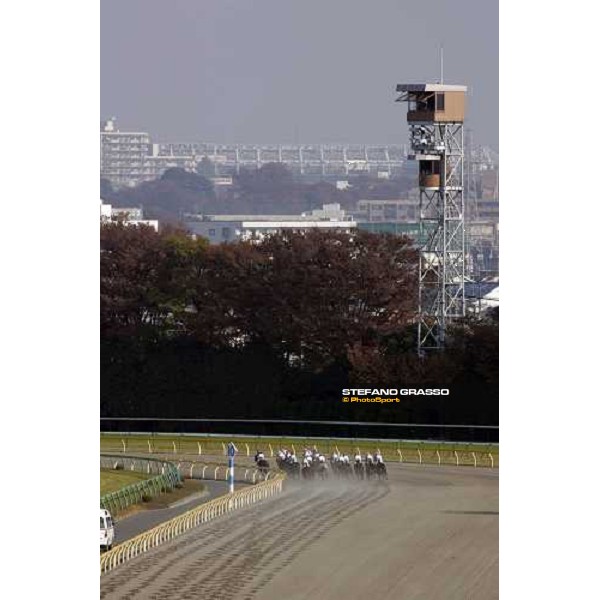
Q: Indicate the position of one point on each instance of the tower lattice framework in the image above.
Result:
(442, 233)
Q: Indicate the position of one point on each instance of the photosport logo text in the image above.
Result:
(388, 395)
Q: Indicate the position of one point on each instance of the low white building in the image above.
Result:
(230, 228)
(127, 216)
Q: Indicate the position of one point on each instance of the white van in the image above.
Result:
(107, 530)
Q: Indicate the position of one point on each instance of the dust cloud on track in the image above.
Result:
(426, 533)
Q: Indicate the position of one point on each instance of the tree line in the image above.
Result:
(277, 330)
(271, 189)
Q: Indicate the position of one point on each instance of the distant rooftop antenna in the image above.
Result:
(441, 64)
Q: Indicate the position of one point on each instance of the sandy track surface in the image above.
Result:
(427, 533)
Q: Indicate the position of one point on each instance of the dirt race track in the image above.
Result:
(428, 533)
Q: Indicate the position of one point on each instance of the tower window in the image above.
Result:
(439, 101)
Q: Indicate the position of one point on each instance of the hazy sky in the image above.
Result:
(276, 71)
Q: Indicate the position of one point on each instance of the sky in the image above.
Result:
(291, 71)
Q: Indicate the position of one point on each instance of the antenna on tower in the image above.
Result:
(441, 64)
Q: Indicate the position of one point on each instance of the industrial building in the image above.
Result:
(230, 228)
(379, 211)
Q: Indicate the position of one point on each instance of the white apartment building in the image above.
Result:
(123, 154)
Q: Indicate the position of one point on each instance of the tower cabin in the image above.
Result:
(431, 105)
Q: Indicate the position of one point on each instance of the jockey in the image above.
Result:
(357, 458)
(293, 459)
(259, 456)
(346, 459)
(321, 458)
(335, 457)
(369, 458)
(379, 458)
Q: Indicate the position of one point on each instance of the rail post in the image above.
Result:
(439, 458)
(400, 453)
(216, 471)
(474, 459)
(149, 447)
(174, 448)
(456, 456)
(491, 459)
(123, 442)
(247, 450)
(271, 450)
(199, 449)
(204, 469)
(420, 457)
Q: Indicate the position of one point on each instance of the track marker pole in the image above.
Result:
(474, 459)
(400, 453)
(439, 458)
(491, 459)
(420, 457)
(123, 442)
(456, 455)
(199, 449)
(231, 455)
(174, 448)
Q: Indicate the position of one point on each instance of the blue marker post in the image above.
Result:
(230, 454)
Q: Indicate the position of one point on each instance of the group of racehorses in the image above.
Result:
(315, 466)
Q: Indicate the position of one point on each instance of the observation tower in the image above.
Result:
(435, 117)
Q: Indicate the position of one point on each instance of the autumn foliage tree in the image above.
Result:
(265, 324)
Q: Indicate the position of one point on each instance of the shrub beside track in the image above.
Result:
(168, 477)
